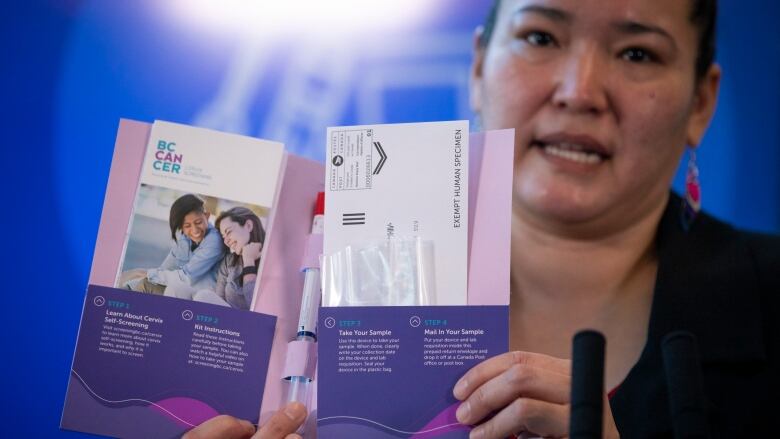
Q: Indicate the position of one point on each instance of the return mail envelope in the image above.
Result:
(402, 181)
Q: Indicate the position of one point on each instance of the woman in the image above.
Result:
(604, 97)
(243, 235)
(194, 254)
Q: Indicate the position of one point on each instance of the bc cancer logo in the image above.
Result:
(166, 159)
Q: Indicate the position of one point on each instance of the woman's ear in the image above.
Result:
(703, 105)
(475, 77)
(249, 225)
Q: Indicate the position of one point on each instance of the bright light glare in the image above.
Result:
(317, 18)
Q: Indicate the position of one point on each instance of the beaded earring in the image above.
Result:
(691, 204)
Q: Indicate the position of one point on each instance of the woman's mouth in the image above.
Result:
(577, 149)
(573, 152)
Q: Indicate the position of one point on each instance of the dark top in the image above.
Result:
(722, 285)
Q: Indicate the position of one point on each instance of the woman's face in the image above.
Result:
(195, 225)
(234, 234)
(603, 99)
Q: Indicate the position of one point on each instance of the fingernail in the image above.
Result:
(295, 411)
(250, 427)
(476, 433)
(460, 388)
(462, 413)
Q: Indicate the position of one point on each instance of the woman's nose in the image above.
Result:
(581, 82)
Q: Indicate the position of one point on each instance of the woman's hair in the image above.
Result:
(241, 215)
(180, 208)
(703, 16)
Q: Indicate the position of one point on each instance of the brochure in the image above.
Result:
(185, 208)
(147, 365)
(388, 371)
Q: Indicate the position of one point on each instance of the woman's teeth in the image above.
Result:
(573, 152)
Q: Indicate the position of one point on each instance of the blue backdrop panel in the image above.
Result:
(71, 69)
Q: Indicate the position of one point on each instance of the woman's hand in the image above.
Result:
(282, 425)
(131, 277)
(251, 253)
(528, 393)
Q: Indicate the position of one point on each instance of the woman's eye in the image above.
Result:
(637, 54)
(538, 38)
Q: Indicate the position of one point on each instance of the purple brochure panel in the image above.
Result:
(151, 366)
(388, 372)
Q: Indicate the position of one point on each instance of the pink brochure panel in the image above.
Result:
(491, 165)
(281, 283)
(123, 179)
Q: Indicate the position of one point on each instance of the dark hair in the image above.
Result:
(180, 208)
(241, 215)
(703, 15)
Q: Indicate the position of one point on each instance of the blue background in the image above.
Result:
(70, 69)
